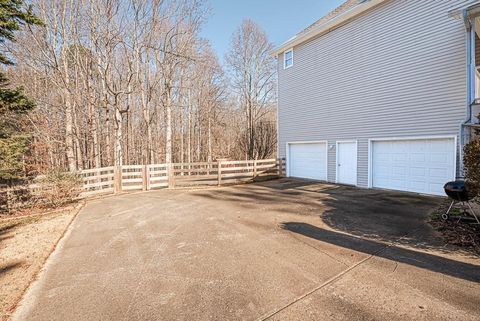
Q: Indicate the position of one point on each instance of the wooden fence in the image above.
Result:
(148, 177)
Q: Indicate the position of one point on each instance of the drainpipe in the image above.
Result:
(470, 84)
(471, 66)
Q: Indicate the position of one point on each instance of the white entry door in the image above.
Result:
(347, 163)
(307, 160)
(417, 165)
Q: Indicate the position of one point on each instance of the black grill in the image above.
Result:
(457, 190)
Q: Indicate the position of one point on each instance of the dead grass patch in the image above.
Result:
(463, 234)
(25, 244)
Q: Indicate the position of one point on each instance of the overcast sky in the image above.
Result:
(281, 19)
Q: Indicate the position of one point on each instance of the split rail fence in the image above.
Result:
(148, 177)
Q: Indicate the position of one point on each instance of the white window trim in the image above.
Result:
(285, 60)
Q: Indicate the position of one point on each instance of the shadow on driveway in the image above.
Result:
(422, 260)
(375, 214)
(373, 218)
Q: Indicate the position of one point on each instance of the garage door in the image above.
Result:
(308, 160)
(422, 166)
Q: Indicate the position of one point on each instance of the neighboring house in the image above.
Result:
(380, 94)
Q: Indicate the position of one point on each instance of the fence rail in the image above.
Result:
(109, 180)
(148, 177)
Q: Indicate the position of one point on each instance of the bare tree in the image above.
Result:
(131, 81)
(252, 70)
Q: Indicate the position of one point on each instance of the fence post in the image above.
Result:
(254, 168)
(219, 167)
(145, 176)
(171, 176)
(117, 183)
(280, 164)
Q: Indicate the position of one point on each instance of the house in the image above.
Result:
(381, 94)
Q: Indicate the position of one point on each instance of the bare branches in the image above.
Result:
(131, 81)
(253, 80)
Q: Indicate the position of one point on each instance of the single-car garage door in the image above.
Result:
(420, 165)
(308, 160)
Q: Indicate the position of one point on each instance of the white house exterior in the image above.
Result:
(378, 94)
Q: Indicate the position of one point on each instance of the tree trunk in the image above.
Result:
(118, 151)
(168, 127)
(146, 118)
(72, 166)
(96, 146)
(209, 138)
(182, 137)
(108, 141)
(189, 137)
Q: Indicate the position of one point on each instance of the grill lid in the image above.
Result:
(457, 190)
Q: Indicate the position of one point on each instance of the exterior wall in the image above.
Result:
(397, 70)
(331, 162)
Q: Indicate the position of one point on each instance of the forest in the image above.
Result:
(115, 82)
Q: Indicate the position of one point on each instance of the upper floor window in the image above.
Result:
(288, 59)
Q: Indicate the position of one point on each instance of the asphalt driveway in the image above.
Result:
(278, 250)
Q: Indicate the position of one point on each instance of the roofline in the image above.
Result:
(471, 11)
(327, 26)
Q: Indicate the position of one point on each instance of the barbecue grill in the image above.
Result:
(458, 192)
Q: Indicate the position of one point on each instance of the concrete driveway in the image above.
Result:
(278, 250)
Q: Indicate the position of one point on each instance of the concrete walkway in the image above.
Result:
(280, 250)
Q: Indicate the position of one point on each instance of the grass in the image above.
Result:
(25, 244)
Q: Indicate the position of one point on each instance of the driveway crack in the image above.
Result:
(331, 280)
(395, 269)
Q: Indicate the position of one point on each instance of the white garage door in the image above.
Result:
(308, 160)
(422, 166)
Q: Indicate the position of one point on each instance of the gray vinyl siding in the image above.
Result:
(362, 163)
(397, 70)
(331, 163)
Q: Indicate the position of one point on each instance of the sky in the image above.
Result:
(280, 19)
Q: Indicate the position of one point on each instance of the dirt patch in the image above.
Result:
(35, 211)
(465, 235)
(25, 244)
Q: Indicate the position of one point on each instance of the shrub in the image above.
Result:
(58, 188)
(12, 151)
(15, 197)
(471, 162)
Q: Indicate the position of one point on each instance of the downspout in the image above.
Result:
(470, 84)
(470, 65)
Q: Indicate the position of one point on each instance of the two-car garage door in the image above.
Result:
(420, 165)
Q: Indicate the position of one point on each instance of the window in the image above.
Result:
(288, 59)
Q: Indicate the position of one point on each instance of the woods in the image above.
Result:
(14, 104)
(132, 82)
(252, 81)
